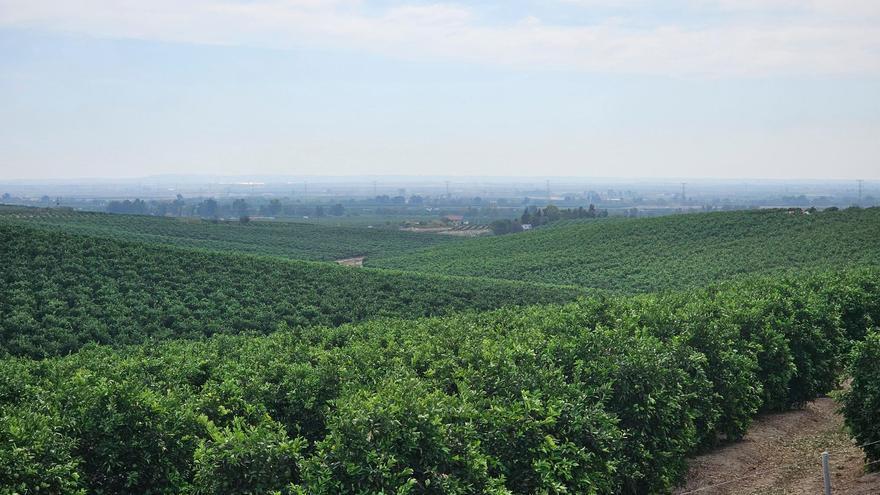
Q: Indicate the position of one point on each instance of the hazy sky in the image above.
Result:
(627, 88)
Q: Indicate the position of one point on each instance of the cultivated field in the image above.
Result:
(137, 360)
(285, 239)
(670, 252)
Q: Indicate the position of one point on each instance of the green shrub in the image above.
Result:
(861, 404)
(854, 294)
(696, 321)
(400, 438)
(246, 459)
(653, 395)
(131, 439)
(797, 334)
(36, 456)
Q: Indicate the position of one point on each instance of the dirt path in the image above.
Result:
(357, 261)
(781, 455)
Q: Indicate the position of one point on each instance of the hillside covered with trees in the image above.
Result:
(641, 255)
(286, 239)
(60, 291)
(146, 355)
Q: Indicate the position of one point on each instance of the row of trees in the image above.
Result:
(240, 207)
(211, 208)
(861, 404)
(540, 216)
(476, 208)
(606, 395)
(136, 207)
(534, 216)
(177, 207)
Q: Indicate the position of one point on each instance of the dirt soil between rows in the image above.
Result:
(781, 455)
(357, 261)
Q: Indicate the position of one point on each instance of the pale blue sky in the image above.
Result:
(699, 88)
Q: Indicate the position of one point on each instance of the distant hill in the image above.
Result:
(286, 239)
(639, 255)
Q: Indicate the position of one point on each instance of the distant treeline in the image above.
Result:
(471, 208)
(535, 217)
(539, 216)
(211, 208)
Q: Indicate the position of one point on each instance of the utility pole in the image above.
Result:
(683, 197)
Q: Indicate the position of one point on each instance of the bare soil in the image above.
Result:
(425, 230)
(467, 233)
(781, 455)
(357, 261)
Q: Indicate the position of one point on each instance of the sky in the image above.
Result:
(781, 89)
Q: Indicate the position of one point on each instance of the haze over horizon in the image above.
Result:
(259, 178)
(776, 89)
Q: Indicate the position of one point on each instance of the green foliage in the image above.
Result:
(608, 394)
(861, 404)
(401, 437)
(285, 239)
(246, 459)
(855, 297)
(132, 439)
(797, 334)
(673, 252)
(604, 395)
(60, 291)
(35, 456)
